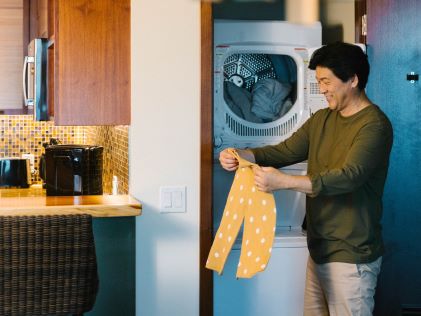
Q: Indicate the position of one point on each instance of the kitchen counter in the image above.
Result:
(114, 228)
(33, 201)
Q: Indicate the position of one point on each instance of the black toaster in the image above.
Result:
(14, 172)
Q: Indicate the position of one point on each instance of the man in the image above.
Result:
(347, 146)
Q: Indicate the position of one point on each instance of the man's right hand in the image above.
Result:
(229, 162)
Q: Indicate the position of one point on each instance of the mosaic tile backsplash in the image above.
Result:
(115, 141)
(19, 134)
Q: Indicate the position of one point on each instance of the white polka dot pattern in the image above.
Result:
(254, 208)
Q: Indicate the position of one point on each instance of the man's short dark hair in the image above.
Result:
(344, 60)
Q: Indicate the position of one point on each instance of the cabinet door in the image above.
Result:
(11, 55)
(38, 27)
(92, 62)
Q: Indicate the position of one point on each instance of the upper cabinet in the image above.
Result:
(38, 18)
(89, 61)
(11, 55)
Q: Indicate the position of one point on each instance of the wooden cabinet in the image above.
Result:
(38, 18)
(11, 55)
(20, 22)
(89, 62)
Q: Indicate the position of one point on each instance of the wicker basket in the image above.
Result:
(47, 265)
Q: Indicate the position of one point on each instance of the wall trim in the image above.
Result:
(206, 157)
(360, 10)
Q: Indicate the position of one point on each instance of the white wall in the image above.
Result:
(165, 150)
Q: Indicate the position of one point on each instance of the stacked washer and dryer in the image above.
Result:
(263, 92)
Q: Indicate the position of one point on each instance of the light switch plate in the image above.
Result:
(172, 199)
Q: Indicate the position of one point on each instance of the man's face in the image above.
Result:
(336, 91)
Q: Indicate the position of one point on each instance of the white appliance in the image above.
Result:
(246, 52)
(279, 290)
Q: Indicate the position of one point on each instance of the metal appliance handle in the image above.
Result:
(25, 66)
(28, 59)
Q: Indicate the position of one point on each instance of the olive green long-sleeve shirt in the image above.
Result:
(348, 159)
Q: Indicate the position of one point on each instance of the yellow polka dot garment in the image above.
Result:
(257, 209)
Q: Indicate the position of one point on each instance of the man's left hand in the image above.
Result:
(268, 179)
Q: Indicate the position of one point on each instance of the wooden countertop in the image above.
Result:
(33, 201)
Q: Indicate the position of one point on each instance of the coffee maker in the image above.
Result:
(73, 170)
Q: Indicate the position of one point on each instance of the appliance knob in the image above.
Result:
(217, 142)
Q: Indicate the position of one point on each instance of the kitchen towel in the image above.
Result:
(257, 210)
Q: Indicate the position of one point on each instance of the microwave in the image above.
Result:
(35, 79)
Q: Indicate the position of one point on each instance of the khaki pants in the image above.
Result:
(340, 289)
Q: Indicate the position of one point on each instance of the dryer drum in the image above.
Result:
(246, 69)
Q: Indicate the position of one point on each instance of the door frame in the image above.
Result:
(360, 11)
(206, 146)
(206, 159)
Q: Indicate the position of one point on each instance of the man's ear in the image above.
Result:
(354, 81)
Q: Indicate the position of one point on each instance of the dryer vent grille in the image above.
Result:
(244, 130)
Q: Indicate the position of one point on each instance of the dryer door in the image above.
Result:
(259, 94)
